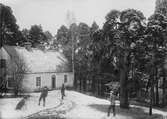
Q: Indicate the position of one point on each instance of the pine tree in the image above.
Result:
(161, 7)
(9, 30)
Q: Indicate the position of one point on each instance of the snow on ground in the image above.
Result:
(84, 107)
(82, 110)
(156, 111)
(7, 106)
(37, 59)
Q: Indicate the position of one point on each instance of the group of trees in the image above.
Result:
(36, 36)
(9, 30)
(11, 34)
(128, 46)
(136, 49)
(74, 43)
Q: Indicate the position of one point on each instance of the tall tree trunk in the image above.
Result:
(151, 98)
(151, 94)
(154, 87)
(157, 91)
(80, 83)
(123, 89)
(123, 81)
(97, 88)
(154, 95)
(75, 84)
(152, 90)
(93, 83)
(84, 83)
(100, 84)
(163, 95)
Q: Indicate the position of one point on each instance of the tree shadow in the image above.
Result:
(13, 96)
(46, 117)
(132, 112)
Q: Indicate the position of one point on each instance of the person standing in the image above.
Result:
(62, 91)
(43, 95)
(112, 104)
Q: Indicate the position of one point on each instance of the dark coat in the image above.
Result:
(63, 90)
(21, 103)
(44, 92)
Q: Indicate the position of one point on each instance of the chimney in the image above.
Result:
(27, 46)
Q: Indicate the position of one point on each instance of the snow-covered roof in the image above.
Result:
(37, 60)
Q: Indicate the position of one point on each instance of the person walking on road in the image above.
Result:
(62, 91)
(43, 95)
(112, 104)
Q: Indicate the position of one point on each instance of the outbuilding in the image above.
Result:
(34, 68)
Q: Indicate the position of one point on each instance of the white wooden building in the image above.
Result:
(42, 67)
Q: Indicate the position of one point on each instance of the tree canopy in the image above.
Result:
(10, 34)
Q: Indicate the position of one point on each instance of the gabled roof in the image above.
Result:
(37, 61)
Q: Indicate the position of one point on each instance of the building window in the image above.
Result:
(11, 82)
(2, 63)
(65, 78)
(38, 81)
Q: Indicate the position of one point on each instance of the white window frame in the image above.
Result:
(9, 76)
(65, 78)
(38, 81)
(4, 65)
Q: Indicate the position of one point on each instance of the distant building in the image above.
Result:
(40, 68)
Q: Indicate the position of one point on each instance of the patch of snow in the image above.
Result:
(83, 110)
(41, 61)
(82, 99)
(80, 110)
(7, 106)
(155, 111)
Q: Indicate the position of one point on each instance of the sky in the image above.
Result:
(51, 14)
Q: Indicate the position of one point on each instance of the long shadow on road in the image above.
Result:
(46, 117)
(131, 113)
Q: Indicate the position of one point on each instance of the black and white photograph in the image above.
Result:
(83, 59)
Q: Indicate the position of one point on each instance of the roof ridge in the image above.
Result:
(38, 60)
(20, 47)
